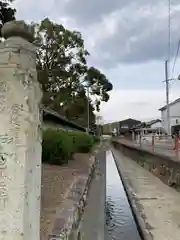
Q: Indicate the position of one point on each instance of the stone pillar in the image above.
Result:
(20, 135)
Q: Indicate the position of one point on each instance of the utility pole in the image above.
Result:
(167, 96)
(167, 80)
(88, 108)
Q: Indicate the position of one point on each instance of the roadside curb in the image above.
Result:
(69, 216)
(141, 225)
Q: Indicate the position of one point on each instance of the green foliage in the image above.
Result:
(6, 12)
(61, 59)
(83, 142)
(99, 85)
(64, 74)
(58, 146)
(77, 110)
(96, 139)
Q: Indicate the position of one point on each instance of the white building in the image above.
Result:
(174, 116)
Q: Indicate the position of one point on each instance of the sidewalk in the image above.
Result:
(157, 149)
(56, 183)
(156, 203)
(93, 222)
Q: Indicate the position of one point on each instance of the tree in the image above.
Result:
(99, 124)
(99, 119)
(6, 12)
(61, 59)
(62, 67)
(99, 85)
(64, 74)
(77, 110)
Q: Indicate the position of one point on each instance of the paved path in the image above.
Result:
(157, 203)
(158, 149)
(56, 182)
(93, 223)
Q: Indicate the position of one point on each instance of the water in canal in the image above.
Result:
(119, 218)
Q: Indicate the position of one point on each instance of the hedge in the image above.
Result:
(58, 146)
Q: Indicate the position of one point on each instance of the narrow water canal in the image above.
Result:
(119, 218)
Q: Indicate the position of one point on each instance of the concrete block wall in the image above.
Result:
(161, 166)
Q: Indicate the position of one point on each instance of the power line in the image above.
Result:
(167, 65)
(169, 30)
(176, 56)
(169, 39)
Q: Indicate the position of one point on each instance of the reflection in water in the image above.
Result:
(109, 212)
(119, 219)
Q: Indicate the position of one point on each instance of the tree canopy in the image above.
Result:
(63, 70)
(6, 12)
(64, 73)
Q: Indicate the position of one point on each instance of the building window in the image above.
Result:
(124, 126)
(176, 121)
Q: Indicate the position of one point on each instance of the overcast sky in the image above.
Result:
(127, 40)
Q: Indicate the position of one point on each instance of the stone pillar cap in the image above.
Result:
(17, 29)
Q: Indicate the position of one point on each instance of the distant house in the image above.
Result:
(120, 127)
(51, 119)
(106, 129)
(153, 126)
(174, 116)
(126, 125)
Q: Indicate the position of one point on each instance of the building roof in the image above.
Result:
(62, 120)
(145, 124)
(170, 104)
(152, 122)
(130, 120)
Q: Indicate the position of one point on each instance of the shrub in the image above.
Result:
(58, 146)
(83, 142)
(96, 139)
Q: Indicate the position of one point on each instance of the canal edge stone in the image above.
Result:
(69, 217)
(141, 225)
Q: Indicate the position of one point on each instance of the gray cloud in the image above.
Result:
(91, 11)
(147, 47)
(127, 33)
(32, 10)
(140, 28)
(139, 37)
(121, 31)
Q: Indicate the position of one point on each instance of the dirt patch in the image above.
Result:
(56, 182)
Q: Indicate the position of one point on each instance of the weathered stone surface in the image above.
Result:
(20, 140)
(17, 28)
